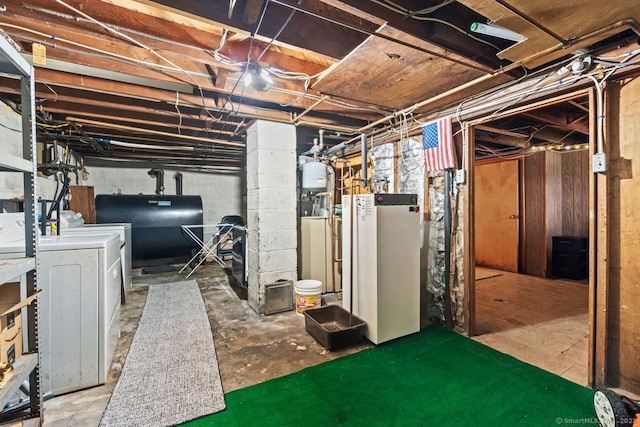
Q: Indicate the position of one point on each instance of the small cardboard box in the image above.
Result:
(11, 321)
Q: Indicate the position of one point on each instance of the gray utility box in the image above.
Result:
(278, 297)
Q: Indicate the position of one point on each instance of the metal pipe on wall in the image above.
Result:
(363, 150)
(159, 175)
(178, 177)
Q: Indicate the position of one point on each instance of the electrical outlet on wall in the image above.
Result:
(599, 163)
(461, 176)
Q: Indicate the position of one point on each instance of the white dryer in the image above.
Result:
(79, 309)
(121, 229)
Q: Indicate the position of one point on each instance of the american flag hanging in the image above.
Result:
(437, 140)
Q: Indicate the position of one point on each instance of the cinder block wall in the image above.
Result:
(222, 194)
(271, 208)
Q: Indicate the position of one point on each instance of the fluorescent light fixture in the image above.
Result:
(496, 31)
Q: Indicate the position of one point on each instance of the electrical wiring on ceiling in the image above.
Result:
(410, 120)
(117, 27)
(431, 9)
(623, 63)
(283, 74)
(217, 55)
(228, 97)
(14, 110)
(505, 153)
(274, 38)
(159, 67)
(495, 99)
(223, 58)
(140, 44)
(418, 15)
(99, 53)
(288, 75)
(128, 38)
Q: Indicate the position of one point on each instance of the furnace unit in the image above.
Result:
(386, 263)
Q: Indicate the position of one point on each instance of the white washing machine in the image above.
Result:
(79, 309)
(124, 231)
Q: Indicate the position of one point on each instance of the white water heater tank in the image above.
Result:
(314, 176)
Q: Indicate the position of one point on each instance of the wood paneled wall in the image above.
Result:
(623, 230)
(575, 193)
(567, 197)
(553, 200)
(533, 260)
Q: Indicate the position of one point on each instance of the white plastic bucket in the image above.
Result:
(307, 295)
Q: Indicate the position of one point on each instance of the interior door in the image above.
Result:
(497, 215)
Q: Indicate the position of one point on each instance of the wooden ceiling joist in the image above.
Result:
(80, 120)
(166, 72)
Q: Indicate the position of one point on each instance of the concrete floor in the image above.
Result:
(250, 348)
(513, 317)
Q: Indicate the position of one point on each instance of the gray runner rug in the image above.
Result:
(171, 373)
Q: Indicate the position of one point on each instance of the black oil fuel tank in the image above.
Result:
(156, 222)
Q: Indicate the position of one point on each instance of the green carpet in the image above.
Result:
(433, 378)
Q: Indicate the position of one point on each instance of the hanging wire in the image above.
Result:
(120, 34)
(284, 25)
(415, 15)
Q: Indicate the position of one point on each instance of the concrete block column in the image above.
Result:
(271, 208)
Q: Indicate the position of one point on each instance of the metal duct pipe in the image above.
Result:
(335, 148)
(363, 150)
(159, 175)
(178, 177)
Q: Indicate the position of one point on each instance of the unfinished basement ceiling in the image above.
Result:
(562, 126)
(164, 81)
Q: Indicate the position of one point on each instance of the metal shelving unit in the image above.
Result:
(27, 366)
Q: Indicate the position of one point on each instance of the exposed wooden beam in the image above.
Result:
(501, 139)
(70, 99)
(88, 132)
(501, 131)
(559, 117)
(221, 79)
(445, 37)
(580, 106)
(313, 40)
(71, 109)
(171, 42)
(126, 90)
(153, 132)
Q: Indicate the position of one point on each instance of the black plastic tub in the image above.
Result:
(333, 327)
